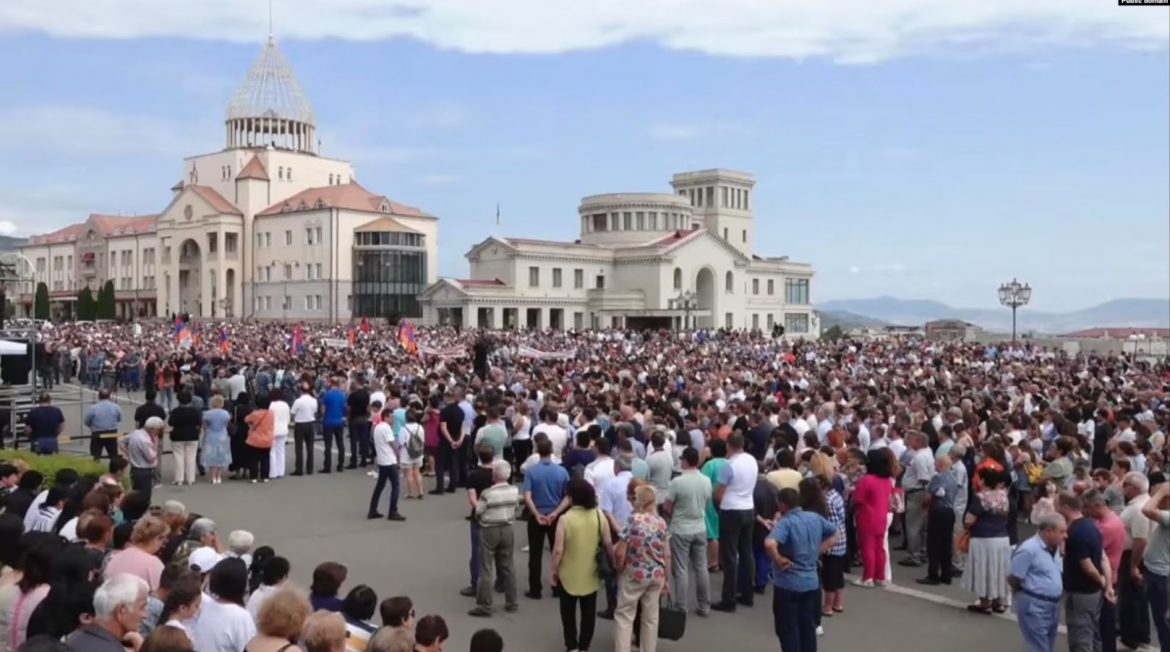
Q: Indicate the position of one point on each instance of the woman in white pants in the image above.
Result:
(186, 422)
(281, 414)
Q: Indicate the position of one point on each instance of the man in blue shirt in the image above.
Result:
(795, 546)
(1035, 578)
(544, 494)
(103, 419)
(333, 424)
(44, 424)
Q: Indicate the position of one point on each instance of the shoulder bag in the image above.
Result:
(605, 569)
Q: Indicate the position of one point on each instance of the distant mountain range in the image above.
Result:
(1137, 313)
(9, 243)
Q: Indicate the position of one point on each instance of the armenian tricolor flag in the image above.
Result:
(366, 325)
(406, 337)
(197, 337)
(182, 335)
(225, 342)
(352, 336)
(298, 339)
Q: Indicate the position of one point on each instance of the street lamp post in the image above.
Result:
(686, 302)
(1014, 295)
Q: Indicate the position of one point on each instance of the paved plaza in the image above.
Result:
(310, 520)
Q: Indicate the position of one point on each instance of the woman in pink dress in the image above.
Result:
(871, 502)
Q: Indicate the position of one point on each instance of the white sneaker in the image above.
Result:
(524, 549)
(865, 584)
(820, 631)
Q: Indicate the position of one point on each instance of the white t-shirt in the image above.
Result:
(556, 434)
(304, 409)
(256, 600)
(739, 476)
(385, 445)
(598, 471)
(280, 417)
(222, 627)
(34, 509)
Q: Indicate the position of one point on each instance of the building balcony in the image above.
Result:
(611, 299)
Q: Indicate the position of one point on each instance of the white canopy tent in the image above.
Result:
(13, 348)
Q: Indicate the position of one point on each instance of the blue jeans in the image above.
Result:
(386, 473)
(1039, 621)
(763, 573)
(1156, 588)
(794, 615)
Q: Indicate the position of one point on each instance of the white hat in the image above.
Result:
(204, 559)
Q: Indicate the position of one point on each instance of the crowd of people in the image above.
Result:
(650, 461)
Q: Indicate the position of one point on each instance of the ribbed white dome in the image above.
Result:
(270, 91)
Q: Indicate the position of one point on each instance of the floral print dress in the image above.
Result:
(645, 537)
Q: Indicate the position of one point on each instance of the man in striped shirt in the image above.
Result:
(496, 510)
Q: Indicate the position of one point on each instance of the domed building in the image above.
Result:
(682, 259)
(264, 228)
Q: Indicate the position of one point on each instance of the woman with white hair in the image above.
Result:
(119, 606)
(642, 559)
(217, 448)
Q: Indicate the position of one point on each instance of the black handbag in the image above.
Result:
(605, 568)
(672, 620)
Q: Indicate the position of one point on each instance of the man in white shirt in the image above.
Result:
(376, 394)
(918, 474)
(737, 517)
(1133, 609)
(797, 421)
(824, 422)
(386, 457)
(304, 416)
(959, 470)
(600, 469)
(556, 434)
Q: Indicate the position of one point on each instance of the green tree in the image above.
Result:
(86, 307)
(41, 302)
(105, 301)
(833, 334)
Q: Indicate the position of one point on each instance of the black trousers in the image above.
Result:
(1133, 611)
(520, 451)
(98, 441)
(537, 534)
(259, 463)
(450, 463)
(940, 524)
(303, 435)
(142, 481)
(1108, 625)
(361, 447)
(735, 548)
(387, 473)
(335, 434)
(578, 639)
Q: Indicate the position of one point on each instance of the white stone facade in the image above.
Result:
(637, 255)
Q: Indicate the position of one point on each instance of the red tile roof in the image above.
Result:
(349, 196)
(1120, 333)
(66, 234)
(216, 200)
(253, 170)
(119, 225)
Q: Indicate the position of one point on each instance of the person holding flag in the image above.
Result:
(298, 339)
(225, 342)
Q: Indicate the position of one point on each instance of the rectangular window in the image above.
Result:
(268, 303)
(771, 286)
(578, 278)
(728, 321)
(308, 236)
(743, 235)
(533, 277)
(601, 222)
(268, 239)
(259, 273)
(578, 321)
(641, 221)
(317, 235)
(287, 271)
(755, 286)
(795, 323)
(319, 274)
(755, 321)
(556, 277)
(746, 206)
(796, 291)
(349, 302)
(771, 321)
(724, 196)
(600, 282)
(267, 273)
(627, 221)
(259, 243)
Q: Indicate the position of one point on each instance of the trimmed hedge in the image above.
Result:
(48, 465)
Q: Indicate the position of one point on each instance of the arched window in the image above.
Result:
(677, 278)
(729, 283)
(331, 179)
(280, 173)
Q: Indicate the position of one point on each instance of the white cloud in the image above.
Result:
(679, 131)
(87, 132)
(854, 269)
(848, 31)
(7, 227)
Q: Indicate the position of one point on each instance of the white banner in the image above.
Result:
(335, 342)
(529, 352)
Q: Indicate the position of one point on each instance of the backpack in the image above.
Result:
(415, 440)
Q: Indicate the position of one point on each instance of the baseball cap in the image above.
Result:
(204, 559)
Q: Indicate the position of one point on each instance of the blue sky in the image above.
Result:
(933, 161)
